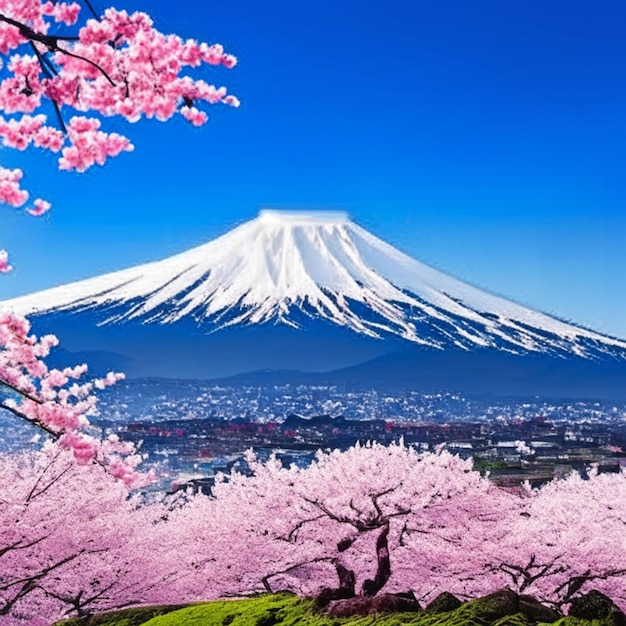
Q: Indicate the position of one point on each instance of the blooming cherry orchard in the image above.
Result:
(371, 519)
(116, 64)
(386, 519)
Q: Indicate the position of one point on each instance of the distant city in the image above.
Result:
(191, 430)
(161, 400)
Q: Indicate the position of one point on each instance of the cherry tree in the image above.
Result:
(72, 540)
(373, 517)
(568, 538)
(385, 518)
(116, 64)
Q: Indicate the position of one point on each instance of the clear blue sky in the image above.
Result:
(485, 137)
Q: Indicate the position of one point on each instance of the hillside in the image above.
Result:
(289, 610)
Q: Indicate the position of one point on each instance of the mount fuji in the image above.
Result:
(317, 294)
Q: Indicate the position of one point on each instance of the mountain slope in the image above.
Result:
(314, 292)
(294, 268)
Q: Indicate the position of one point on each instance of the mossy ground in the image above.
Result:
(288, 610)
(126, 617)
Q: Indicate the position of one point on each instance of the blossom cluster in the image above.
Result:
(58, 401)
(114, 65)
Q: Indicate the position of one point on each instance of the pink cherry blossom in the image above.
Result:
(4, 262)
(62, 11)
(73, 540)
(193, 115)
(431, 519)
(10, 191)
(40, 207)
(115, 65)
(57, 401)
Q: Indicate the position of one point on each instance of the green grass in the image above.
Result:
(289, 610)
(126, 617)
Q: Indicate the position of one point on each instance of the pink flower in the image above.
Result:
(115, 65)
(233, 101)
(62, 11)
(4, 262)
(10, 191)
(41, 207)
(193, 115)
(229, 61)
(84, 448)
(212, 54)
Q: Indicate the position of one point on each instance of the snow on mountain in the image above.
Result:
(287, 268)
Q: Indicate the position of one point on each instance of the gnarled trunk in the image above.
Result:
(383, 571)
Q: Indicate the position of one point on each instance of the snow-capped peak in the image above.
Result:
(286, 267)
(303, 217)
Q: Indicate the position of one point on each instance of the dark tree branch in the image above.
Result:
(575, 583)
(293, 533)
(58, 477)
(532, 571)
(49, 69)
(266, 578)
(52, 433)
(86, 60)
(52, 43)
(30, 583)
(406, 530)
(362, 526)
(90, 7)
(18, 545)
(375, 497)
(330, 514)
(35, 422)
(21, 392)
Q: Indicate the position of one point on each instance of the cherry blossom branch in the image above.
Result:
(376, 496)
(526, 571)
(117, 65)
(421, 531)
(29, 583)
(79, 604)
(30, 420)
(48, 69)
(20, 545)
(293, 533)
(28, 33)
(32, 495)
(35, 422)
(86, 60)
(372, 523)
(337, 518)
(575, 583)
(50, 403)
(52, 43)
